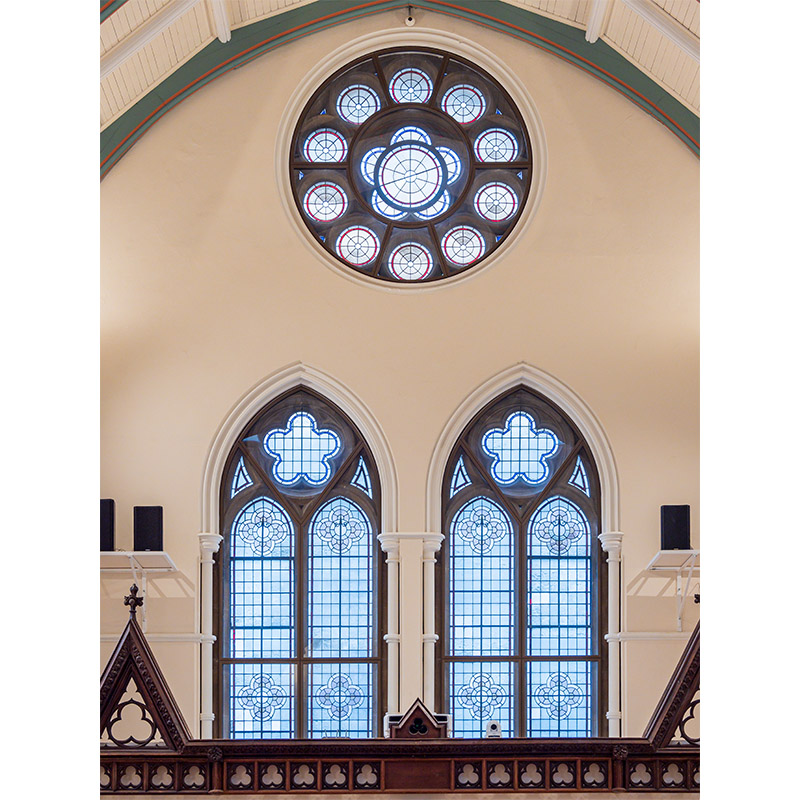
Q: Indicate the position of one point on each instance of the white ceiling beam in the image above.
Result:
(596, 21)
(218, 14)
(144, 34)
(666, 25)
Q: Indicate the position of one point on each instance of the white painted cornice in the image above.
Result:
(667, 26)
(144, 34)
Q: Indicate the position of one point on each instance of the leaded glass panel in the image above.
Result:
(308, 519)
(414, 155)
(521, 583)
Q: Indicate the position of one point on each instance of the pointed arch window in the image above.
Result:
(298, 652)
(520, 573)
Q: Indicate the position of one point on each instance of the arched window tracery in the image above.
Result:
(299, 578)
(520, 574)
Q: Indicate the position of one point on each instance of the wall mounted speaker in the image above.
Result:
(675, 528)
(148, 527)
(106, 525)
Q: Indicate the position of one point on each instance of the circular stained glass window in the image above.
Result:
(411, 165)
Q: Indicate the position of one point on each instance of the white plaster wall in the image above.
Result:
(206, 289)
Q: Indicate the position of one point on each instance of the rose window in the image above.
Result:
(410, 166)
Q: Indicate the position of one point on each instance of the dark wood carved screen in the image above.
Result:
(166, 759)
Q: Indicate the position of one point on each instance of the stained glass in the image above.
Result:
(357, 245)
(460, 477)
(301, 451)
(368, 164)
(496, 202)
(480, 692)
(496, 144)
(559, 527)
(439, 207)
(411, 133)
(579, 477)
(452, 162)
(341, 700)
(241, 478)
(520, 451)
(357, 103)
(325, 202)
(261, 701)
(463, 245)
(481, 580)
(560, 698)
(385, 209)
(411, 175)
(361, 478)
(410, 262)
(464, 103)
(326, 146)
(411, 86)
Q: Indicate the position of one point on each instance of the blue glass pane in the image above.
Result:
(261, 701)
(481, 580)
(460, 478)
(262, 582)
(241, 478)
(519, 451)
(340, 580)
(341, 700)
(560, 698)
(301, 451)
(480, 692)
(579, 477)
(361, 478)
(559, 527)
(559, 606)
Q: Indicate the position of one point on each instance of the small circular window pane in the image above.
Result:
(410, 262)
(326, 146)
(357, 103)
(411, 86)
(324, 202)
(496, 202)
(357, 245)
(411, 166)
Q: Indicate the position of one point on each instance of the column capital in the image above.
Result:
(431, 543)
(209, 542)
(611, 542)
(390, 544)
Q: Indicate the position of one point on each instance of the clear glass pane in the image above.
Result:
(261, 701)
(479, 693)
(341, 700)
(262, 581)
(560, 698)
(340, 581)
(481, 580)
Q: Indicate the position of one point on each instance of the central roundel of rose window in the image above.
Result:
(411, 166)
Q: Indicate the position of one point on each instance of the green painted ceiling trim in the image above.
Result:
(251, 41)
(108, 7)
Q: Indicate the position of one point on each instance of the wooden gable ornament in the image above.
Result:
(137, 708)
(676, 712)
(417, 723)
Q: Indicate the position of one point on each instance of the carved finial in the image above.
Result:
(133, 600)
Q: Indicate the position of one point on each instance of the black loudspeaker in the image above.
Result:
(106, 525)
(148, 528)
(675, 528)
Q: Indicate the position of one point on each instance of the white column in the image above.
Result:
(612, 544)
(391, 546)
(430, 546)
(209, 544)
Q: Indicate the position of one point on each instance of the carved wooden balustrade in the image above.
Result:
(164, 759)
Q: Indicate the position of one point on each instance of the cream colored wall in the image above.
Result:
(206, 289)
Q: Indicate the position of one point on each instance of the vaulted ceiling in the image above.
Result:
(154, 53)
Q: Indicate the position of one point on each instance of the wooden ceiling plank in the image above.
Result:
(144, 34)
(667, 25)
